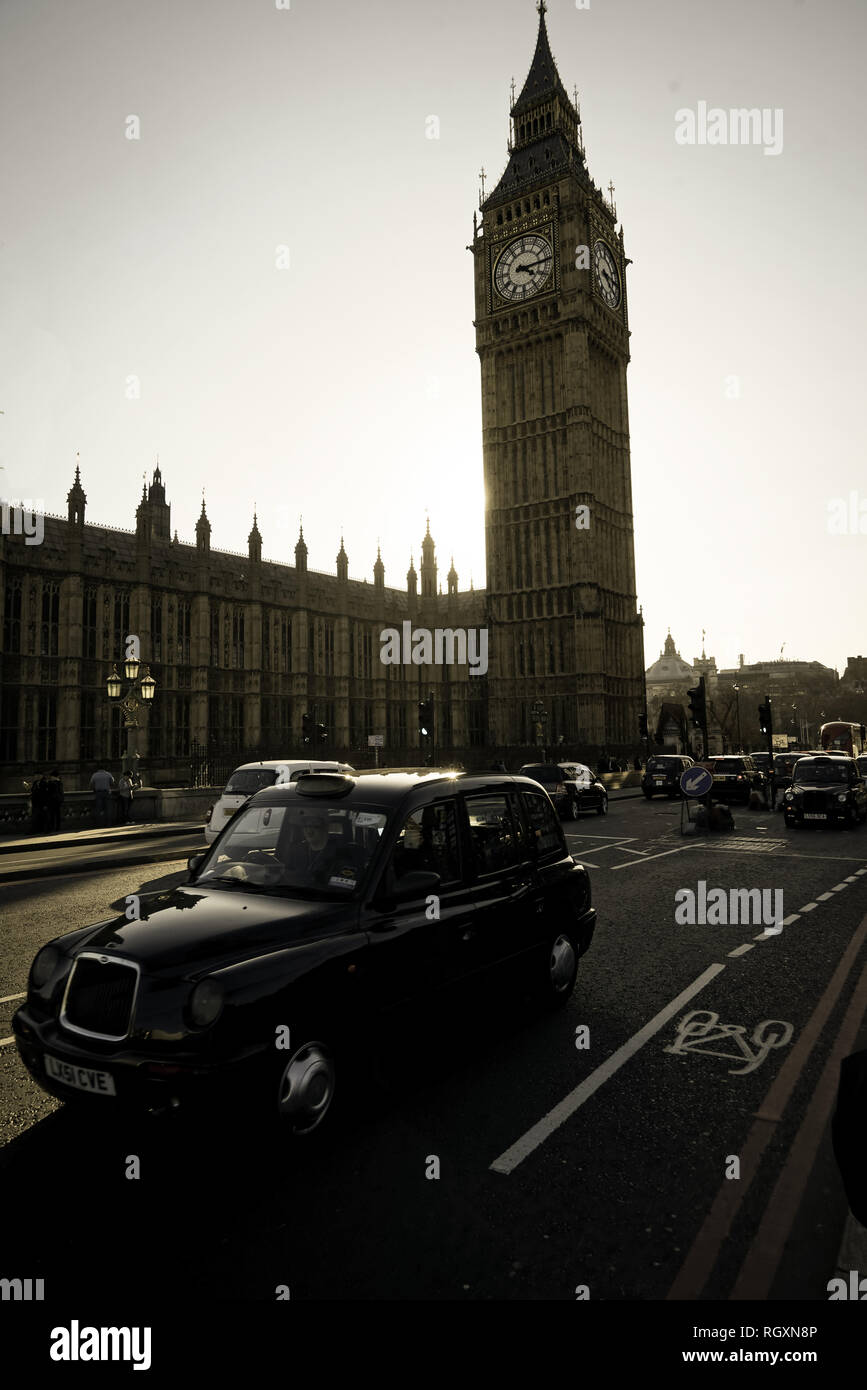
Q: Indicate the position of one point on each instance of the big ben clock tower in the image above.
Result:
(553, 338)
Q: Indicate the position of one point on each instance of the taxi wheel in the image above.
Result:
(303, 1098)
(602, 808)
(561, 969)
(574, 808)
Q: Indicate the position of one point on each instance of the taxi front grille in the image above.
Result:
(815, 801)
(100, 996)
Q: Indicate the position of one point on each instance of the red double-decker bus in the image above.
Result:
(840, 737)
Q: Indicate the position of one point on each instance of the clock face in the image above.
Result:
(607, 275)
(524, 267)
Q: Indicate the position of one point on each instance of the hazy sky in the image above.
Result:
(346, 386)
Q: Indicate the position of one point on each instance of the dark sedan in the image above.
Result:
(572, 787)
(662, 774)
(321, 908)
(736, 778)
(826, 789)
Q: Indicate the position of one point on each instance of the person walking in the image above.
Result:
(101, 783)
(38, 806)
(125, 795)
(53, 800)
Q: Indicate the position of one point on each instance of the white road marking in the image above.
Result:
(7, 998)
(838, 887)
(633, 863)
(808, 907)
(5, 1041)
(822, 897)
(617, 839)
(793, 917)
(768, 932)
(740, 950)
(860, 871)
(544, 1128)
(851, 879)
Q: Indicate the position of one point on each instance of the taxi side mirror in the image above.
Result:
(194, 861)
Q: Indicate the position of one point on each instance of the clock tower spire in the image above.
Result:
(552, 336)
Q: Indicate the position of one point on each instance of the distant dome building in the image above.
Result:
(669, 673)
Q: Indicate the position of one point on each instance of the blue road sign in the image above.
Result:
(696, 781)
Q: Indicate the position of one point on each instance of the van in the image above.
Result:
(250, 778)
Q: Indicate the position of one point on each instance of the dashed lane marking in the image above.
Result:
(808, 907)
(523, 1147)
(838, 887)
(822, 897)
(741, 950)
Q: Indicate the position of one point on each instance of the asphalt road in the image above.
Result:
(622, 1192)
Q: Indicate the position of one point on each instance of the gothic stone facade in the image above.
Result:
(241, 648)
(553, 338)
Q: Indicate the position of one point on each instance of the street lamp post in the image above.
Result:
(737, 690)
(140, 691)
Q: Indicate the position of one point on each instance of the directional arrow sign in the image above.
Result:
(696, 782)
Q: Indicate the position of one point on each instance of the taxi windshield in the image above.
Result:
(306, 848)
(249, 780)
(828, 772)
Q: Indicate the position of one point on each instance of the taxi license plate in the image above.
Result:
(815, 815)
(101, 1083)
(658, 781)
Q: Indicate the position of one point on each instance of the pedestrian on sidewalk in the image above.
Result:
(102, 783)
(38, 804)
(124, 797)
(53, 800)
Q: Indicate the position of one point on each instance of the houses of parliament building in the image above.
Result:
(243, 648)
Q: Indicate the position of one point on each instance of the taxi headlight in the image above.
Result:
(842, 796)
(44, 966)
(205, 1003)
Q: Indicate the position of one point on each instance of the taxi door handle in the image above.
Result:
(469, 934)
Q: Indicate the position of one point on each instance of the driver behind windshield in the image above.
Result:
(314, 855)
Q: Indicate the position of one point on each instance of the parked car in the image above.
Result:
(861, 762)
(762, 761)
(250, 778)
(826, 788)
(572, 787)
(329, 910)
(735, 778)
(662, 774)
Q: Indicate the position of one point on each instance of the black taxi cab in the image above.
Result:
(825, 789)
(321, 909)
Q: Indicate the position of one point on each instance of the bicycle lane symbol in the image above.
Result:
(696, 1032)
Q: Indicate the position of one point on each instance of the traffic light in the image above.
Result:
(642, 725)
(765, 724)
(306, 728)
(697, 704)
(321, 733)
